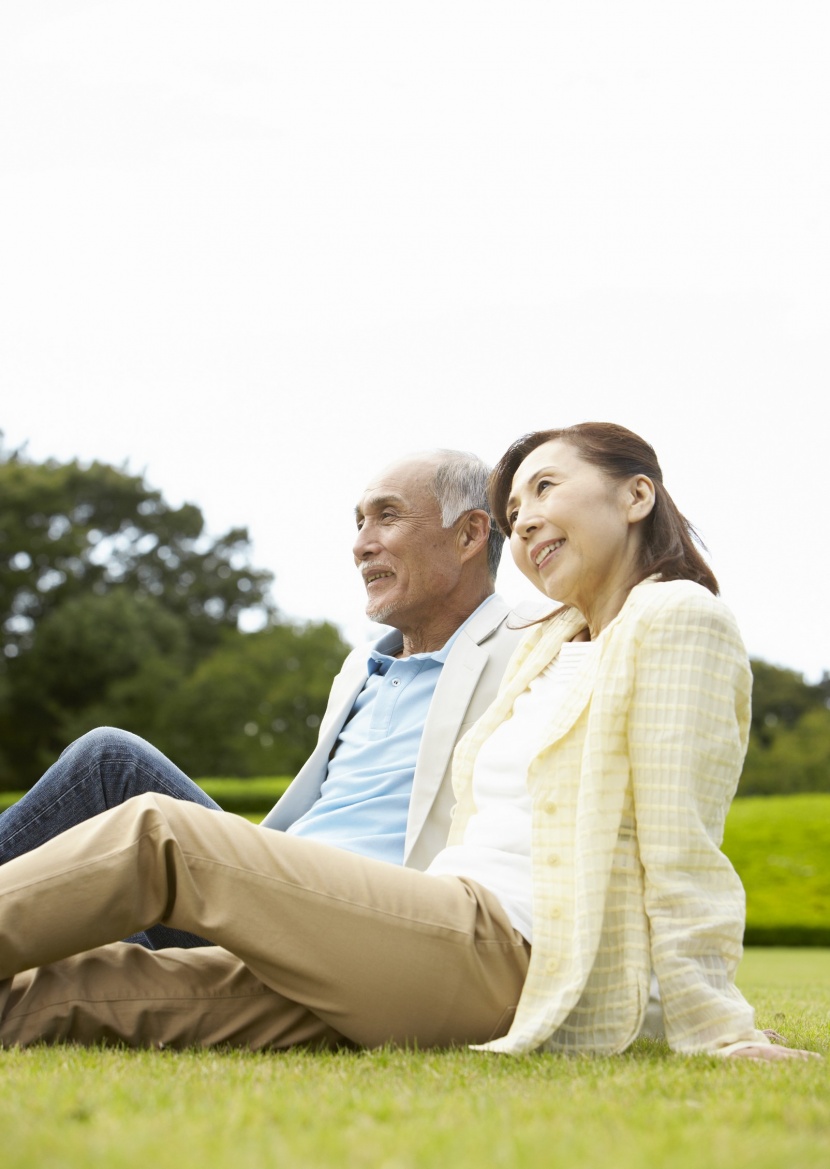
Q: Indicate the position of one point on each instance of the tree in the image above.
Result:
(116, 608)
(789, 741)
(254, 706)
(780, 697)
(113, 659)
(67, 530)
(797, 759)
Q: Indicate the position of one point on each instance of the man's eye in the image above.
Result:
(388, 515)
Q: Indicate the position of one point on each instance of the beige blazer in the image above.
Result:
(630, 792)
(467, 684)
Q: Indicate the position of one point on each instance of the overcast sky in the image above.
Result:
(257, 249)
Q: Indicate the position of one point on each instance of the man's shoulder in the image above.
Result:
(498, 623)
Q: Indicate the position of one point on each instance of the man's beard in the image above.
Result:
(382, 615)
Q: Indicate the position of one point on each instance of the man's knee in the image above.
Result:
(104, 742)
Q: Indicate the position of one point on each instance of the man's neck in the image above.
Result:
(435, 634)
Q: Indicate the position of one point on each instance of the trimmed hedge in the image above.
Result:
(780, 846)
(247, 797)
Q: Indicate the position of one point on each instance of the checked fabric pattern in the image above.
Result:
(630, 792)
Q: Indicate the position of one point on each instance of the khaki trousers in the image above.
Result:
(315, 945)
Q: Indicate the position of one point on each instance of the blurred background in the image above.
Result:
(251, 252)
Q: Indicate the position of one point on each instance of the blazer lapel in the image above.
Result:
(449, 704)
(456, 686)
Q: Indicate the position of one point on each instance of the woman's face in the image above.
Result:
(575, 532)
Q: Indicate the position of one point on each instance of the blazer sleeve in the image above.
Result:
(688, 725)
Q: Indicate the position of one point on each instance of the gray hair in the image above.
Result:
(459, 485)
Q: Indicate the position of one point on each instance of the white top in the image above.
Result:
(495, 850)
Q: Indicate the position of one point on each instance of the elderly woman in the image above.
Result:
(629, 710)
(584, 851)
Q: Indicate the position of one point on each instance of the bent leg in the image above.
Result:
(99, 771)
(377, 952)
(126, 994)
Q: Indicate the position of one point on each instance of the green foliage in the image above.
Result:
(795, 759)
(417, 1110)
(252, 798)
(254, 706)
(780, 697)
(67, 530)
(789, 744)
(118, 609)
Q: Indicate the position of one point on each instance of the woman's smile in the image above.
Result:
(543, 551)
(575, 530)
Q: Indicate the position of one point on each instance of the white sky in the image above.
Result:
(260, 248)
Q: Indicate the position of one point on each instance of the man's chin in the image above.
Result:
(382, 614)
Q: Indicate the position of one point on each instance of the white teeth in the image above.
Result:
(543, 552)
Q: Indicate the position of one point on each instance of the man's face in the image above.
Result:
(408, 561)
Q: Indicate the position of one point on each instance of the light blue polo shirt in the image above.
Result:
(364, 800)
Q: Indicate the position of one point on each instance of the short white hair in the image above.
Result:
(460, 484)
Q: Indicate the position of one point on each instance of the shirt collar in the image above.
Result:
(385, 648)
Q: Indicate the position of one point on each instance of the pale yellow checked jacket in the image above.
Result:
(630, 792)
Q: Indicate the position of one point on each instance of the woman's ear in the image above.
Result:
(641, 497)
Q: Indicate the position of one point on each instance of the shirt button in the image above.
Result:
(552, 965)
(555, 912)
(553, 858)
(550, 806)
(396, 681)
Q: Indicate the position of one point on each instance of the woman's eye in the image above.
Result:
(511, 519)
(542, 485)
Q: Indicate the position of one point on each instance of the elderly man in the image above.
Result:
(378, 782)
(320, 939)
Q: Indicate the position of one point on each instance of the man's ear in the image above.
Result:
(473, 533)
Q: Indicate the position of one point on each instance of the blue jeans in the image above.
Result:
(98, 771)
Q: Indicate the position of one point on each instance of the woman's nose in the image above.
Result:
(525, 523)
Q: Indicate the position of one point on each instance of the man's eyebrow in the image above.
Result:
(377, 502)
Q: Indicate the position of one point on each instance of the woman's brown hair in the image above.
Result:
(669, 540)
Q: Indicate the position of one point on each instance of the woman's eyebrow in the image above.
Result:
(511, 499)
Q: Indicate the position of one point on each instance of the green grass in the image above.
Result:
(65, 1107)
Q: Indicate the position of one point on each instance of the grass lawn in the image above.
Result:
(394, 1110)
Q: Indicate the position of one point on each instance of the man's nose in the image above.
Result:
(364, 544)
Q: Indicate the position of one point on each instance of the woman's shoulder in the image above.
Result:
(655, 599)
